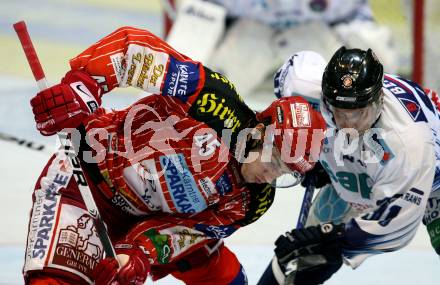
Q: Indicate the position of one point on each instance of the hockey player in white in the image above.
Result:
(262, 34)
(380, 165)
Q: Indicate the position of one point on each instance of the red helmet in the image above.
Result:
(299, 131)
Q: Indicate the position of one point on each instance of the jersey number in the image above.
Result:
(207, 144)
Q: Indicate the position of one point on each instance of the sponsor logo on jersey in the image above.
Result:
(413, 196)
(216, 231)
(43, 220)
(300, 115)
(432, 211)
(211, 104)
(118, 64)
(209, 189)
(406, 98)
(207, 186)
(124, 205)
(149, 73)
(78, 246)
(181, 184)
(360, 207)
(223, 184)
(45, 209)
(183, 238)
(261, 200)
(187, 238)
(162, 244)
(144, 180)
(280, 115)
(145, 68)
(182, 79)
(219, 77)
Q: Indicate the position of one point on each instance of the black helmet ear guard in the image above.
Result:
(352, 79)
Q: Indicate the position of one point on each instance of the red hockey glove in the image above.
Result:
(134, 270)
(65, 105)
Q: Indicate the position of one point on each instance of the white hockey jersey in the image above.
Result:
(387, 174)
(285, 13)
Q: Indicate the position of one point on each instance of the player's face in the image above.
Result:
(360, 119)
(262, 170)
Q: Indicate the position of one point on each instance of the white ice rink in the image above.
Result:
(19, 166)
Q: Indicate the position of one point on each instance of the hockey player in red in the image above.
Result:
(172, 174)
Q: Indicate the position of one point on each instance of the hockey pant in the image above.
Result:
(63, 247)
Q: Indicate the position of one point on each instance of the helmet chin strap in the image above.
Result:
(327, 113)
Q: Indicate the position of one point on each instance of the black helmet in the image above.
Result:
(352, 79)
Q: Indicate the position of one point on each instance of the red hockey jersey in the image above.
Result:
(171, 157)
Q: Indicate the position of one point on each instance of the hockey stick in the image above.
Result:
(169, 6)
(80, 178)
(268, 276)
(24, 142)
(307, 201)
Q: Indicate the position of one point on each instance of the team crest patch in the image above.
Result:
(347, 81)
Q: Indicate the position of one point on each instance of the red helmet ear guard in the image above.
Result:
(299, 131)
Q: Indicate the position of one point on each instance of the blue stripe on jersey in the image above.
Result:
(421, 94)
(359, 241)
(436, 182)
(406, 97)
